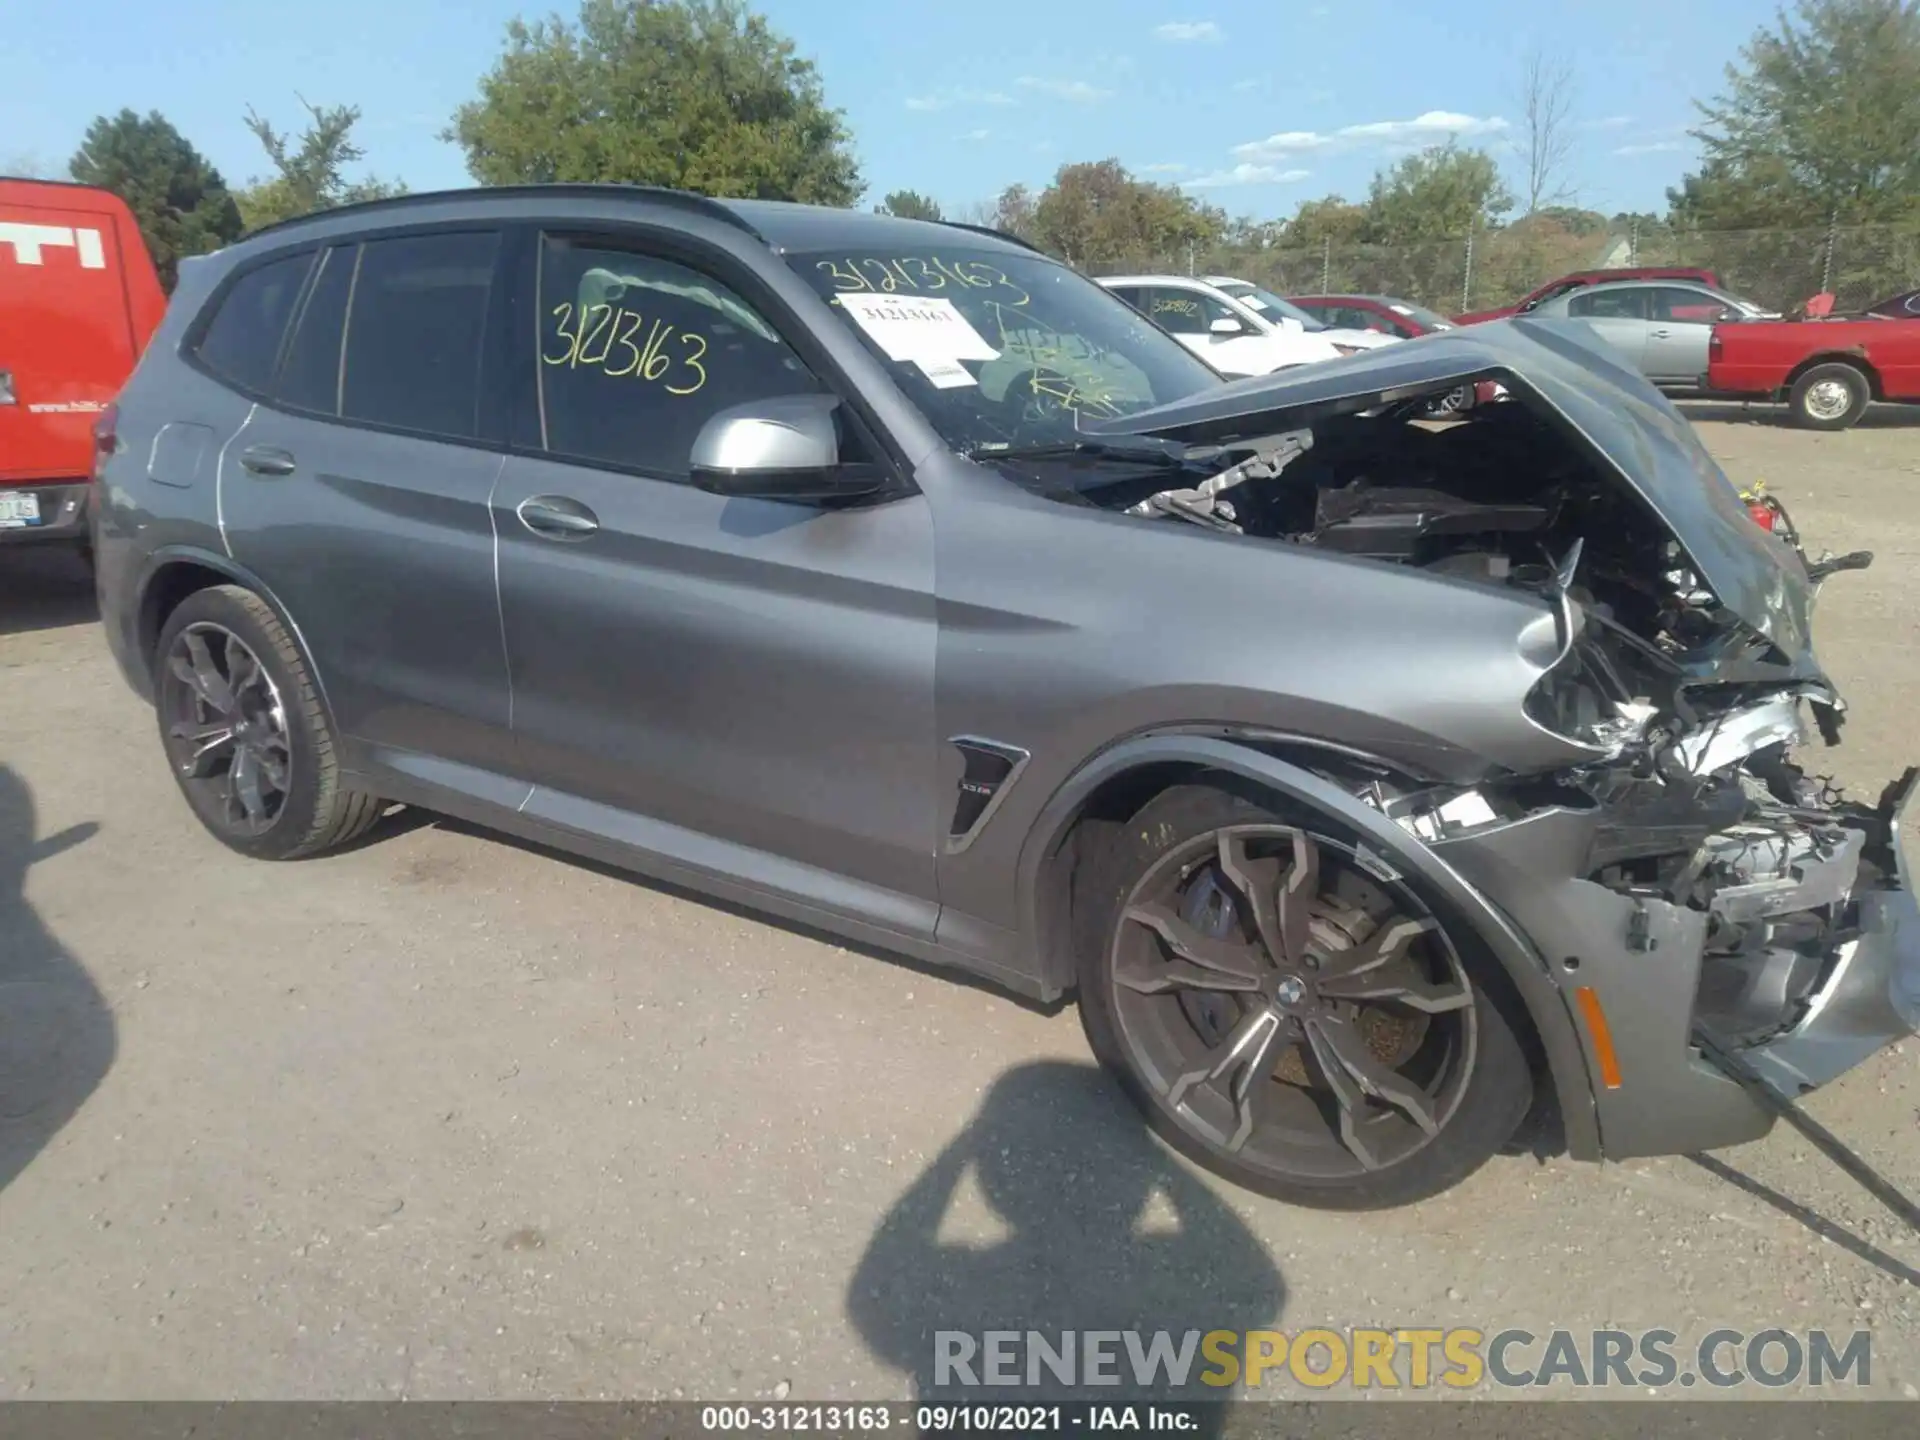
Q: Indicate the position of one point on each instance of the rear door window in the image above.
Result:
(310, 375)
(416, 330)
(241, 343)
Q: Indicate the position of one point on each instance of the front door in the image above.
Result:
(742, 686)
(1620, 316)
(1682, 325)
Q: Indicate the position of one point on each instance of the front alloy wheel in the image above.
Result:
(1293, 1013)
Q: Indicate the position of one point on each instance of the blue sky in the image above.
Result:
(1258, 104)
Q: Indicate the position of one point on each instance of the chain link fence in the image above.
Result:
(1860, 264)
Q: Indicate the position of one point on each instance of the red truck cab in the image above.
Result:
(1580, 278)
(79, 300)
(1827, 371)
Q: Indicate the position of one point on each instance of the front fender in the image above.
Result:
(1535, 983)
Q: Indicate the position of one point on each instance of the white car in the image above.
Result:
(1232, 337)
(1284, 312)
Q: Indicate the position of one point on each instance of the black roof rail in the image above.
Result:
(602, 190)
(1006, 235)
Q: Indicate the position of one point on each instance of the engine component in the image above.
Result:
(1732, 737)
(1756, 870)
(1390, 522)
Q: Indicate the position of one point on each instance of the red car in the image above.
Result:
(1594, 277)
(1373, 312)
(78, 301)
(1388, 316)
(1827, 371)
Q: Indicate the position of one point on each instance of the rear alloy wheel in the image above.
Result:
(1830, 397)
(1292, 1014)
(244, 731)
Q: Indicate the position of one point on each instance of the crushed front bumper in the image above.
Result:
(1642, 958)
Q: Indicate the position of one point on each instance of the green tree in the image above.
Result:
(1013, 211)
(1096, 215)
(699, 94)
(309, 172)
(1439, 194)
(1820, 119)
(909, 205)
(178, 199)
(1328, 221)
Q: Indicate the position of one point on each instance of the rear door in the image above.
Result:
(66, 343)
(1620, 317)
(1681, 325)
(358, 490)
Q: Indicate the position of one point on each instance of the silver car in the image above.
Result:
(1364, 779)
(1662, 326)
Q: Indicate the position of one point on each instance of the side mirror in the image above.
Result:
(785, 448)
(1226, 325)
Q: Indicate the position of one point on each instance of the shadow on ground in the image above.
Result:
(44, 587)
(1055, 1211)
(1735, 412)
(1815, 1222)
(56, 1032)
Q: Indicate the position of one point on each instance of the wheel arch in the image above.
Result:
(1854, 359)
(178, 571)
(1308, 773)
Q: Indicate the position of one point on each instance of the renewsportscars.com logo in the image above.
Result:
(1416, 1359)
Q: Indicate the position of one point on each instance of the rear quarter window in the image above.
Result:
(241, 340)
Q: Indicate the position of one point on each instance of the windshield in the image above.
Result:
(1419, 314)
(1271, 306)
(1001, 350)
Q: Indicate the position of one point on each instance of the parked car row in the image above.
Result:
(1678, 326)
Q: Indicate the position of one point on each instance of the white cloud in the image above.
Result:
(978, 135)
(1652, 147)
(1253, 84)
(1180, 31)
(1610, 122)
(1165, 168)
(1428, 129)
(1078, 91)
(946, 99)
(1246, 174)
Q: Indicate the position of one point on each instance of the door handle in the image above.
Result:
(1663, 334)
(266, 460)
(555, 517)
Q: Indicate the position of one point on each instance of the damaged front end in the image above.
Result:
(1674, 866)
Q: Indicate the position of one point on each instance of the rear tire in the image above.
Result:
(245, 733)
(1279, 1110)
(1830, 397)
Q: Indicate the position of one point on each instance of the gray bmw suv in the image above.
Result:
(1366, 777)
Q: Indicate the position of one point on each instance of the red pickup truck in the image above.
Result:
(1827, 371)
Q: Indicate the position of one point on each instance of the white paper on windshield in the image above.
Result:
(917, 327)
(945, 374)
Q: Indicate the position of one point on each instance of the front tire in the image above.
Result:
(1287, 1017)
(244, 731)
(1829, 397)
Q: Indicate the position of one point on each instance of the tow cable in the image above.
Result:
(1824, 1140)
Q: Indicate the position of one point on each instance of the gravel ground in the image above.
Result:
(449, 1117)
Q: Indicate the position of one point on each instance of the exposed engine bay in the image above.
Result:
(1689, 718)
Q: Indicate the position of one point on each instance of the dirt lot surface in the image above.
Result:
(447, 1117)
